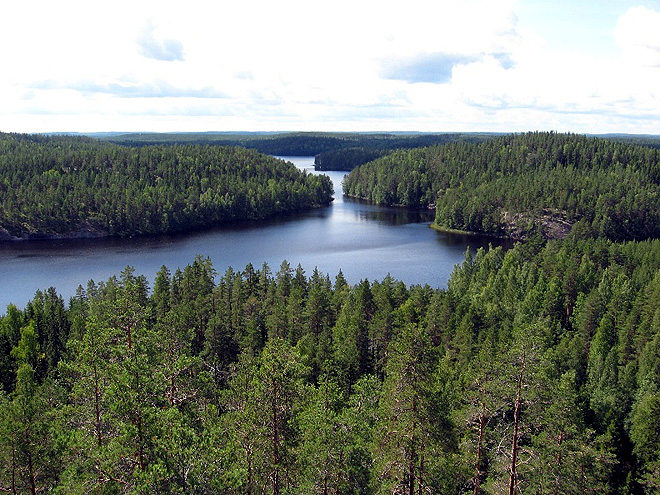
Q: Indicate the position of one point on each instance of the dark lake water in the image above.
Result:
(363, 240)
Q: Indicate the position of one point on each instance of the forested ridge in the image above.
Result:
(370, 148)
(54, 186)
(535, 371)
(526, 184)
(298, 143)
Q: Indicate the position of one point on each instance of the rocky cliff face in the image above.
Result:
(551, 224)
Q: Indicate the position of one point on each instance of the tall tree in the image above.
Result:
(30, 461)
(350, 335)
(414, 431)
(115, 388)
(263, 400)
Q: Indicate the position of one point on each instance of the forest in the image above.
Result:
(535, 371)
(346, 158)
(522, 185)
(371, 149)
(298, 143)
(63, 186)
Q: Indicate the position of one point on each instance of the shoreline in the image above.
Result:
(91, 233)
(447, 230)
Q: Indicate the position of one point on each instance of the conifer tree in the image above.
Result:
(263, 400)
(412, 432)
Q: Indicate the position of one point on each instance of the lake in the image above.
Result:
(363, 240)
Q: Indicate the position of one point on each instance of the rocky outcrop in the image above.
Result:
(550, 224)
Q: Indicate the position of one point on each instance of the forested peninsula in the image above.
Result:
(63, 186)
(522, 185)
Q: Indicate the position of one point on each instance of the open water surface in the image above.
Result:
(363, 240)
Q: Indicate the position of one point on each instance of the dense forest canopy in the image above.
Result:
(521, 185)
(298, 143)
(347, 158)
(76, 186)
(536, 369)
(370, 148)
(332, 150)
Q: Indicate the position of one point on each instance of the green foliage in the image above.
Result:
(413, 433)
(346, 159)
(263, 398)
(536, 370)
(524, 185)
(65, 186)
(29, 458)
(297, 143)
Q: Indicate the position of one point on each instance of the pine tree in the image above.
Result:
(116, 390)
(30, 462)
(263, 399)
(413, 432)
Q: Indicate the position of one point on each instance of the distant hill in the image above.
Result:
(334, 150)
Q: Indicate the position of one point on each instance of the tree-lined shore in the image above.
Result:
(62, 186)
(522, 185)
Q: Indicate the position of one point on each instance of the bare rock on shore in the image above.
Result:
(550, 224)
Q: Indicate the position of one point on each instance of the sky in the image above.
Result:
(580, 66)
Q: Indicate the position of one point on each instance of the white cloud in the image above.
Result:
(638, 35)
(131, 89)
(345, 65)
(165, 50)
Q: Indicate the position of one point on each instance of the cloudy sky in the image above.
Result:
(347, 65)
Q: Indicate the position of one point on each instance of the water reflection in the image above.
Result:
(392, 216)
